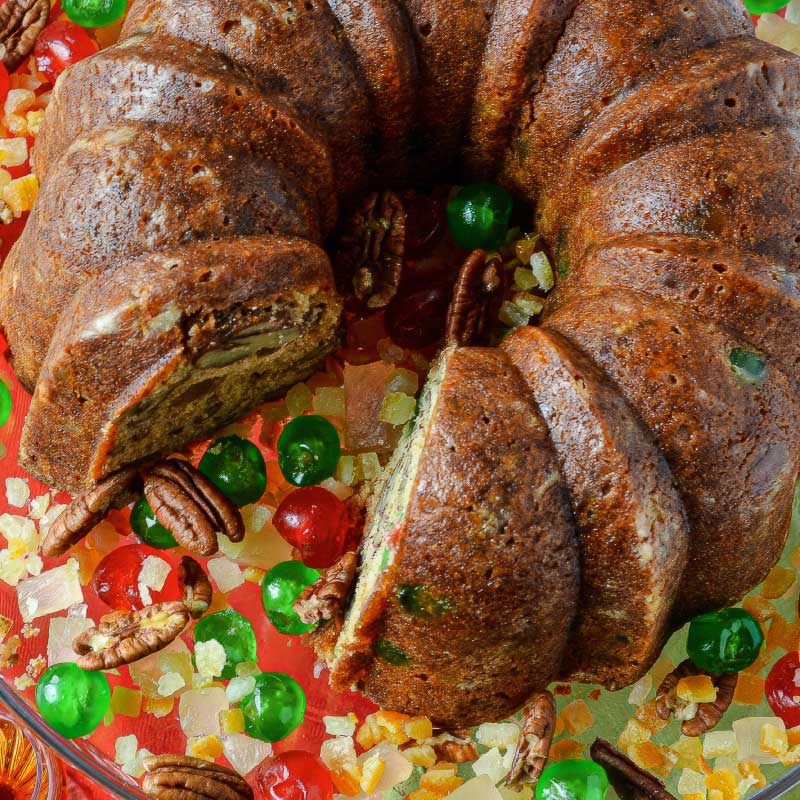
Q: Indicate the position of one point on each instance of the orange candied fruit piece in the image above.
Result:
(759, 607)
(566, 750)
(722, 785)
(793, 736)
(347, 781)
(648, 716)
(577, 717)
(651, 757)
(749, 769)
(749, 690)
(697, 689)
(778, 582)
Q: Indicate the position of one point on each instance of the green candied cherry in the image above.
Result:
(724, 641)
(765, 6)
(234, 632)
(578, 779)
(281, 587)
(5, 403)
(275, 707)
(479, 215)
(748, 365)
(236, 467)
(94, 13)
(148, 528)
(308, 450)
(72, 702)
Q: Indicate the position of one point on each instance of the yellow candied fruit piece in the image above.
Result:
(17, 124)
(329, 401)
(253, 574)
(759, 607)
(749, 690)
(722, 785)
(207, 748)
(231, 721)
(421, 755)
(391, 724)
(18, 101)
(369, 734)
(440, 780)
(689, 751)
(347, 780)
(577, 717)
(299, 399)
(34, 120)
(525, 248)
(127, 702)
(791, 758)
(403, 380)
(778, 582)
(424, 794)
(651, 757)
(369, 466)
(529, 303)
(566, 750)
(159, 706)
(418, 728)
(774, 740)
(397, 408)
(749, 769)
(13, 152)
(648, 716)
(347, 470)
(633, 733)
(524, 279)
(697, 689)
(21, 193)
(694, 796)
(371, 773)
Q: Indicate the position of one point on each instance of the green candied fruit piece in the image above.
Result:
(577, 779)
(748, 365)
(308, 450)
(234, 632)
(479, 215)
(6, 403)
(71, 701)
(236, 467)
(765, 6)
(562, 255)
(391, 653)
(275, 708)
(281, 587)
(421, 601)
(148, 528)
(724, 641)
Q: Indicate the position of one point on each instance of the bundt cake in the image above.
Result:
(559, 504)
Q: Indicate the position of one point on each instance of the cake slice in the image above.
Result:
(469, 570)
(632, 528)
(723, 416)
(171, 347)
(607, 49)
(297, 50)
(128, 189)
(755, 296)
(176, 82)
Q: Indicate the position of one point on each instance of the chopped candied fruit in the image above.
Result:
(774, 740)
(749, 690)
(566, 749)
(577, 717)
(778, 582)
(697, 689)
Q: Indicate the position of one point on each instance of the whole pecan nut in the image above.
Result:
(90, 508)
(370, 252)
(123, 638)
(174, 777)
(477, 289)
(21, 22)
(325, 598)
(535, 739)
(191, 508)
(456, 751)
(629, 780)
(196, 587)
(701, 717)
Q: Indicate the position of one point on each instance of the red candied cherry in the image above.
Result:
(5, 83)
(295, 775)
(61, 44)
(116, 579)
(416, 317)
(425, 220)
(317, 523)
(783, 689)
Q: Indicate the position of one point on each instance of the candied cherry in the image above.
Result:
(308, 450)
(94, 13)
(724, 641)
(236, 467)
(576, 779)
(294, 775)
(236, 635)
(61, 44)
(416, 317)
(71, 701)
(275, 707)
(765, 6)
(5, 83)
(116, 579)
(479, 216)
(148, 528)
(317, 523)
(281, 587)
(783, 689)
(424, 218)
(6, 403)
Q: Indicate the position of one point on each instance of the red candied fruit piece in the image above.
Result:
(295, 775)
(5, 83)
(317, 523)
(116, 579)
(60, 45)
(416, 317)
(783, 689)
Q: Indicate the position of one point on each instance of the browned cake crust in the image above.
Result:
(123, 191)
(521, 39)
(283, 44)
(173, 346)
(487, 536)
(734, 84)
(156, 79)
(755, 296)
(631, 524)
(732, 443)
(607, 48)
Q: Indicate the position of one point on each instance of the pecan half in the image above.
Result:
(196, 587)
(629, 780)
(122, 638)
(470, 313)
(701, 717)
(185, 778)
(534, 742)
(371, 250)
(191, 508)
(325, 598)
(456, 751)
(90, 508)
(21, 22)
